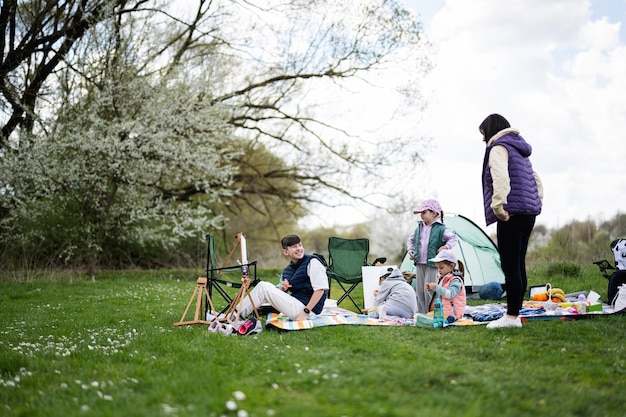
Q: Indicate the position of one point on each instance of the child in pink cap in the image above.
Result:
(450, 287)
(429, 238)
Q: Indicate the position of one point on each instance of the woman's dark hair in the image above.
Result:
(492, 125)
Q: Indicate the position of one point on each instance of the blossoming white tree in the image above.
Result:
(132, 124)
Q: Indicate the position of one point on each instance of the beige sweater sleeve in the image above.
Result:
(539, 185)
(499, 166)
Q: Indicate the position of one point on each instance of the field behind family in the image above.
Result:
(73, 346)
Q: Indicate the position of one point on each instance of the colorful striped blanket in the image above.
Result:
(330, 316)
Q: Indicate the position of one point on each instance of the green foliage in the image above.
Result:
(579, 242)
(567, 269)
(113, 171)
(161, 123)
(109, 347)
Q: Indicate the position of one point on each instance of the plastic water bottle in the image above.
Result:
(438, 314)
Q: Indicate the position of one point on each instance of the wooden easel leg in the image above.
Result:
(208, 297)
(243, 291)
(198, 293)
(233, 305)
(256, 313)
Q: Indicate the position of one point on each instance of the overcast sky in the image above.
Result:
(556, 69)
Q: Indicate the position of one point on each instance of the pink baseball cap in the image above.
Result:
(428, 205)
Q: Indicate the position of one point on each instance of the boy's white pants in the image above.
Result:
(265, 292)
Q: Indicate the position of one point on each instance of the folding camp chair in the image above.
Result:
(217, 282)
(346, 257)
(605, 266)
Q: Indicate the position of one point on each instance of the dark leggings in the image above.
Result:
(513, 236)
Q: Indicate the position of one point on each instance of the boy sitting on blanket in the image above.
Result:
(303, 286)
(395, 297)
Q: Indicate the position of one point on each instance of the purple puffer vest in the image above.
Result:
(524, 196)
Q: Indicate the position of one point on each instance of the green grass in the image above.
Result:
(72, 346)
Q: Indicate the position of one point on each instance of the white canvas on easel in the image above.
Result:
(371, 275)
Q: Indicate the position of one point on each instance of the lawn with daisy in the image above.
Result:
(76, 346)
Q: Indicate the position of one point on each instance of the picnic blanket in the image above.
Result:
(335, 316)
(474, 315)
(532, 310)
(330, 316)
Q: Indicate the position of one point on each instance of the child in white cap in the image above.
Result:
(449, 287)
(395, 297)
(429, 238)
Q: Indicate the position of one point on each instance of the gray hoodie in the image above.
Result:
(397, 292)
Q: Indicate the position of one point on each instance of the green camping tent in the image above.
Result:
(475, 249)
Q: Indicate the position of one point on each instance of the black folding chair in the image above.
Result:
(216, 282)
(604, 266)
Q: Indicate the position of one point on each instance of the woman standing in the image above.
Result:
(512, 194)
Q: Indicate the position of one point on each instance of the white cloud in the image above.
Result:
(557, 75)
(600, 34)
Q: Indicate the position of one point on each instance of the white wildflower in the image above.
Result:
(239, 396)
(231, 405)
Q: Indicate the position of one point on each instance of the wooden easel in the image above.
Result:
(243, 291)
(202, 290)
(198, 293)
(245, 283)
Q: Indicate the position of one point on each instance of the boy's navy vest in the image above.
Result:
(301, 288)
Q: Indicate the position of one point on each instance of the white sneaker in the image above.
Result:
(227, 330)
(505, 321)
(214, 326)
